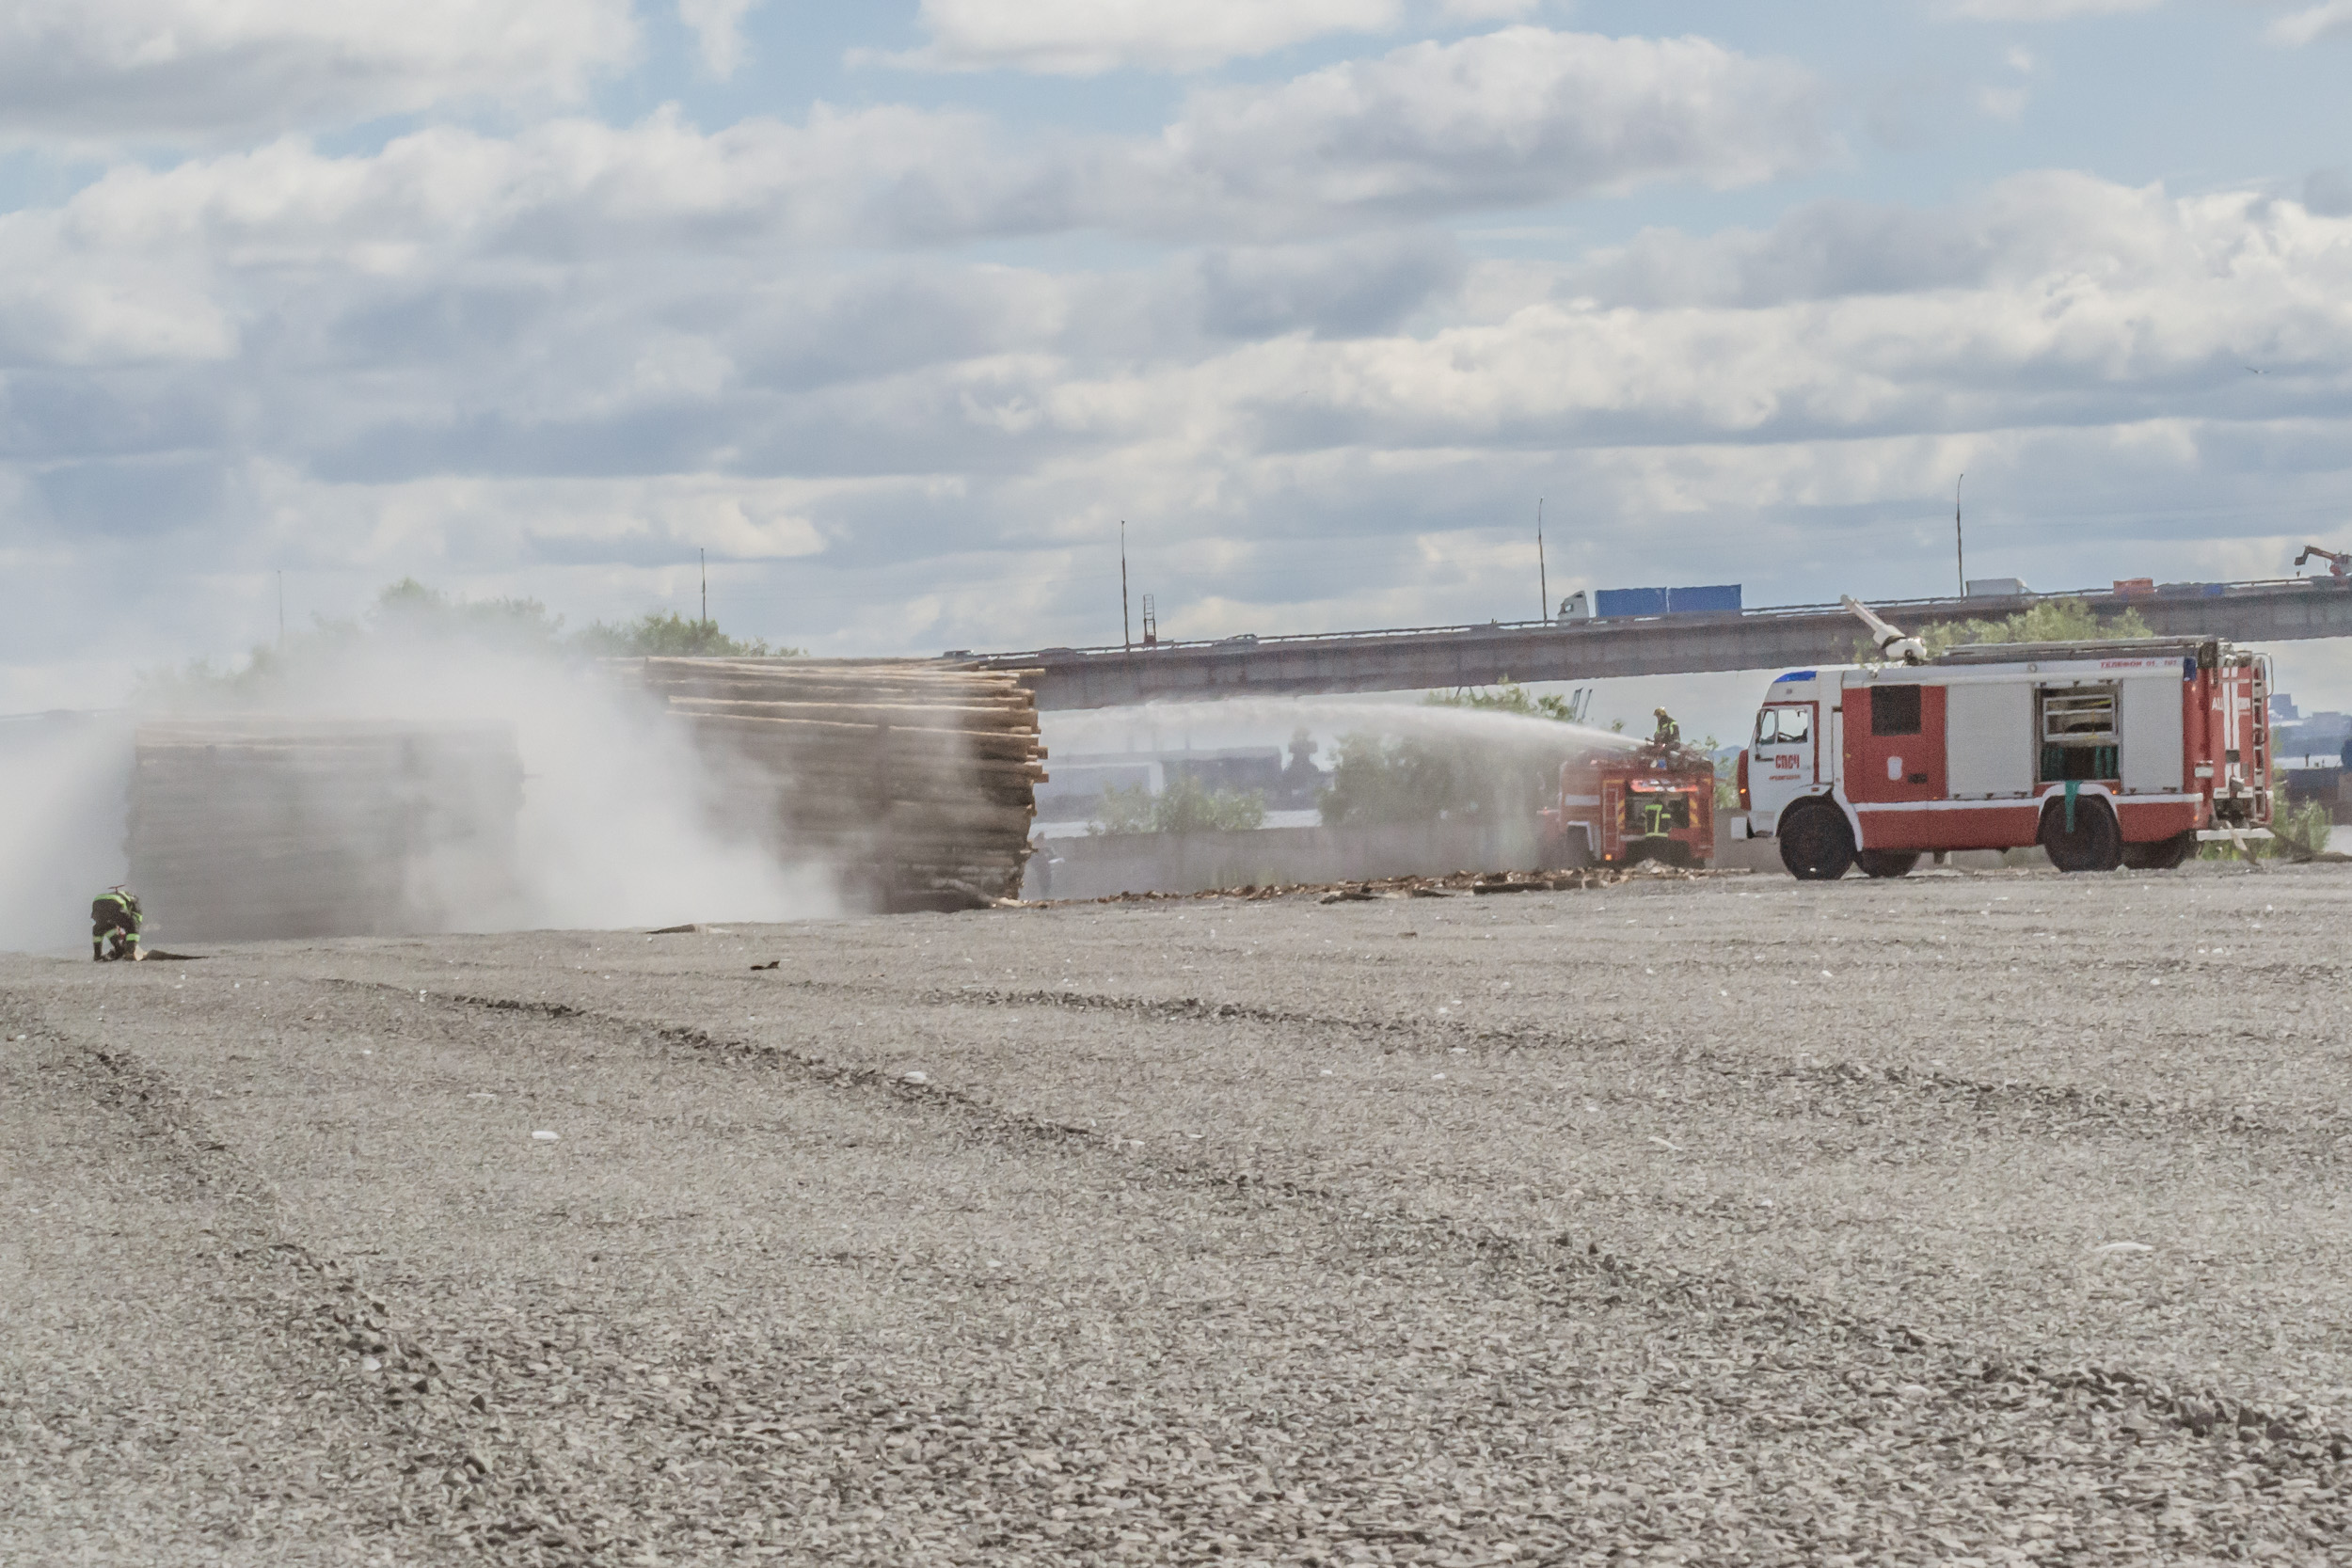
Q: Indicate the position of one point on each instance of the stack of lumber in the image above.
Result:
(918, 780)
(256, 826)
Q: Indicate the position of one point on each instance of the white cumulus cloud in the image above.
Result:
(556, 359)
(568, 357)
(1086, 38)
(111, 71)
(2044, 11)
(717, 30)
(2312, 24)
(1516, 118)
(1522, 114)
(1487, 10)
(2007, 104)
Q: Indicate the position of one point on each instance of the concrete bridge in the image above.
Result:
(1434, 658)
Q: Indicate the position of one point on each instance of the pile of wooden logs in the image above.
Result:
(254, 826)
(917, 780)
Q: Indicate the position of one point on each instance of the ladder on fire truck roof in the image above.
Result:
(2205, 650)
(1898, 647)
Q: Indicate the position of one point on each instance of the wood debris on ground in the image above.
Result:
(1447, 886)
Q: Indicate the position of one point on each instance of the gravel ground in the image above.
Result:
(1985, 1218)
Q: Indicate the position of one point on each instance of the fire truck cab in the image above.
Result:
(2105, 754)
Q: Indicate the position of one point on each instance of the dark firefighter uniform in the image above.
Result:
(115, 913)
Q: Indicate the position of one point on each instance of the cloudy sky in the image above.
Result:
(899, 308)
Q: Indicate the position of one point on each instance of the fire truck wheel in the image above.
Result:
(2163, 855)
(1815, 843)
(2095, 845)
(1887, 863)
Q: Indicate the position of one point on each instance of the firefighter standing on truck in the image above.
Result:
(113, 914)
(1655, 820)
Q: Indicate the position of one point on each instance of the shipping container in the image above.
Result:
(1628, 601)
(1718, 597)
(1997, 588)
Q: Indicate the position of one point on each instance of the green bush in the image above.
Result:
(2051, 620)
(1506, 697)
(1186, 806)
(409, 609)
(672, 636)
(2299, 831)
(1378, 779)
(2296, 832)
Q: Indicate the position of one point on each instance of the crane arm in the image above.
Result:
(1894, 645)
(2339, 563)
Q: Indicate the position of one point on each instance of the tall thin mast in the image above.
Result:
(1960, 546)
(1126, 623)
(1543, 581)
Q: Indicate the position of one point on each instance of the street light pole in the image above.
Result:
(1542, 580)
(1960, 546)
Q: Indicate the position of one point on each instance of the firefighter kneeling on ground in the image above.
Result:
(113, 917)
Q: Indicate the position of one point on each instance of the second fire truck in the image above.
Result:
(1655, 803)
(2105, 754)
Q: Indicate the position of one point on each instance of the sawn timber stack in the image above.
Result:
(918, 780)
(259, 826)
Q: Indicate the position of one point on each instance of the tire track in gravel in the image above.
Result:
(2070, 1103)
(2062, 1107)
(2285, 1440)
(1787, 1392)
(1804, 1362)
(470, 1473)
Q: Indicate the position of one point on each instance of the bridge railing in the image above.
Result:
(1894, 609)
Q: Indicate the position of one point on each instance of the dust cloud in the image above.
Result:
(620, 821)
(617, 809)
(64, 789)
(619, 813)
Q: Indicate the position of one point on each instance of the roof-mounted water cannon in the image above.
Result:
(1894, 645)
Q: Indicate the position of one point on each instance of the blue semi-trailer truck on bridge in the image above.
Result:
(1606, 604)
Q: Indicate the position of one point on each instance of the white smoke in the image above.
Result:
(64, 786)
(619, 823)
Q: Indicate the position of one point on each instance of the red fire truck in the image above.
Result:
(2105, 754)
(1655, 803)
